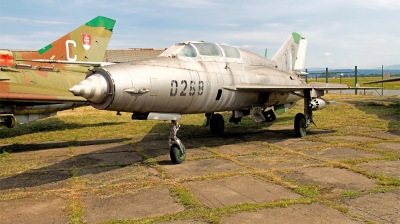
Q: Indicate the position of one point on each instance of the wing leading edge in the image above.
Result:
(289, 88)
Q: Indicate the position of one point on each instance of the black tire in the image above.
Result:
(300, 125)
(217, 124)
(176, 155)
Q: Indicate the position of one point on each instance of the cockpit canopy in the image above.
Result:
(202, 50)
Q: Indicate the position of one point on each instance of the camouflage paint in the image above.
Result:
(41, 89)
(100, 29)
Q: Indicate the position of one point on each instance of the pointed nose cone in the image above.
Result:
(94, 88)
(76, 90)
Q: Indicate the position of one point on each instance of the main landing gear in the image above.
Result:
(302, 121)
(216, 122)
(178, 150)
(300, 125)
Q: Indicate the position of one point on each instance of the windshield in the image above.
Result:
(208, 49)
(188, 51)
(230, 52)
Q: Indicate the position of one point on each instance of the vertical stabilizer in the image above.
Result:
(86, 43)
(291, 56)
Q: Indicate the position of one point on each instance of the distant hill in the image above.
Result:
(390, 67)
(394, 70)
(385, 67)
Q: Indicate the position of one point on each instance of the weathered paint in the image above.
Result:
(193, 83)
(296, 37)
(32, 91)
(101, 21)
(27, 81)
(6, 58)
(44, 49)
(100, 29)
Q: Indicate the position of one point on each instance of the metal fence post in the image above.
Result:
(382, 79)
(326, 77)
(356, 81)
(306, 76)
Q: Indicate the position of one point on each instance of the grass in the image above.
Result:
(88, 123)
(352, 115)
(4, 154)
(308, 191)
(361, 80)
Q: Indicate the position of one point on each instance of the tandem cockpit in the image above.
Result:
(203, 51)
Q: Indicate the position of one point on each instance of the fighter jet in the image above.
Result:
(36, 89)
(201, 77)
(385, 80)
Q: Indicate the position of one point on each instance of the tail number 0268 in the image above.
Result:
(183, 86)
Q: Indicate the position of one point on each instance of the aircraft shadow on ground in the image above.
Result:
(379, 108)
(189, 134)
(48, 125)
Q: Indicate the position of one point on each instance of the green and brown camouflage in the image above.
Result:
(86, 43)
(33, 90)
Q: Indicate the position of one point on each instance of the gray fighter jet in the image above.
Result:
(200, 77)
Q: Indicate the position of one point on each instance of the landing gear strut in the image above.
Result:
(302, 121)
(178, 150)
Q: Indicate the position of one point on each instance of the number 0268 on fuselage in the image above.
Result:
(200, 77)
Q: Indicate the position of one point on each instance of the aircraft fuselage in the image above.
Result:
(189, 85)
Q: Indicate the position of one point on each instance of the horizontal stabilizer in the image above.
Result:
(385, 80)
(334, 86)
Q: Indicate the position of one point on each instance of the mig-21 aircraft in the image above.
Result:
(201, 77)
(34, 89)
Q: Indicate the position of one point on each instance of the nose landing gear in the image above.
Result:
(177, 149)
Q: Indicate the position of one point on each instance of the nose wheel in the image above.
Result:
(176, 154)
(177, 151)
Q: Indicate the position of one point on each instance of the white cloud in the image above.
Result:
(387, 4)
(30, 21)
(345, 32)
(187, 4)
(228, 24)
(246, 46)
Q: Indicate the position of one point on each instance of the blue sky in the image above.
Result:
(340, 33)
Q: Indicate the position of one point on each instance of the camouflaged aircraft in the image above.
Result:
(201, 77)
(38, 87)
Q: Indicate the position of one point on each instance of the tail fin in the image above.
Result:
(86, 43)
(291, 56)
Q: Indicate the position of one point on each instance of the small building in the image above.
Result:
(131, 54)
